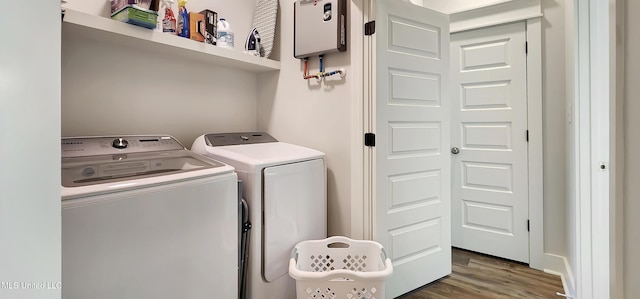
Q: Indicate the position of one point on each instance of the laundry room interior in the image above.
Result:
(139, 91)
(186, 97)
(136, 90)
(113, 84)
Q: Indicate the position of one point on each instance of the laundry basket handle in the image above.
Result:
(383, 254)
(338, 241)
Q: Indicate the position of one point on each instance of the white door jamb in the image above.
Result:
(534, 111)
(597, 239)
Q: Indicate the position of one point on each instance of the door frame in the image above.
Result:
(363, 111)
(361, 157)
(534, 119)
(533, 86)
(596, 147)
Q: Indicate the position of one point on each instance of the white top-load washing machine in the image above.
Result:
(285, 188)
(142, 217)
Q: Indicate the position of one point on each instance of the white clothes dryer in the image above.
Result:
(286, 191)
(142, 217)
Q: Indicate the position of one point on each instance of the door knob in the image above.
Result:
(455, 150)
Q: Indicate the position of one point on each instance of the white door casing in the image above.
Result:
(490, 201)
(411, 189)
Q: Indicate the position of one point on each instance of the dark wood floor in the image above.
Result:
(477, 276)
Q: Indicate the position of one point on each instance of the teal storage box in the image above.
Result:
(137, 16)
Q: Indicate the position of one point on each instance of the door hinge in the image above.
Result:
(370, 27)
(528, 225)
(370, 139)
(526, 47)
(527, 135)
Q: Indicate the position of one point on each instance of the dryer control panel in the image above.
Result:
(238, 138)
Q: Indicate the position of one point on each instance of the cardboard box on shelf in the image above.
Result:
(196, 26)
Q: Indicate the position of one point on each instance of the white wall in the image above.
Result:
(312, 114)
(553, 119)
(631, 148)
(131, 91)
(30, 148)
(124, 92)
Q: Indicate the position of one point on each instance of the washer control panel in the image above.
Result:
(110, 145)
(120, 143)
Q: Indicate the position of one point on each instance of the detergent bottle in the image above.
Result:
(169, 20)
(225, 34)
(183, 19)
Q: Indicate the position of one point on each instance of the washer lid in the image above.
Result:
(90, 161)
(93, 170)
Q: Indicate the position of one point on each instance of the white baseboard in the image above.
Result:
(559, 265)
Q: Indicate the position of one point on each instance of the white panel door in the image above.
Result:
(412, 163)
(489, 118)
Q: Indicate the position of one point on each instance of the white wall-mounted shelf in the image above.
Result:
(82, 25)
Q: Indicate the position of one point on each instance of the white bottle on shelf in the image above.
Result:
(225, 34)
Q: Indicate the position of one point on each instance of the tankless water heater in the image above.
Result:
(320, 26)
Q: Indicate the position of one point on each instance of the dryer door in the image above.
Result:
(295, 209)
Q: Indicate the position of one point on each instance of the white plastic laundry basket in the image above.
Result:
(339, 268)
